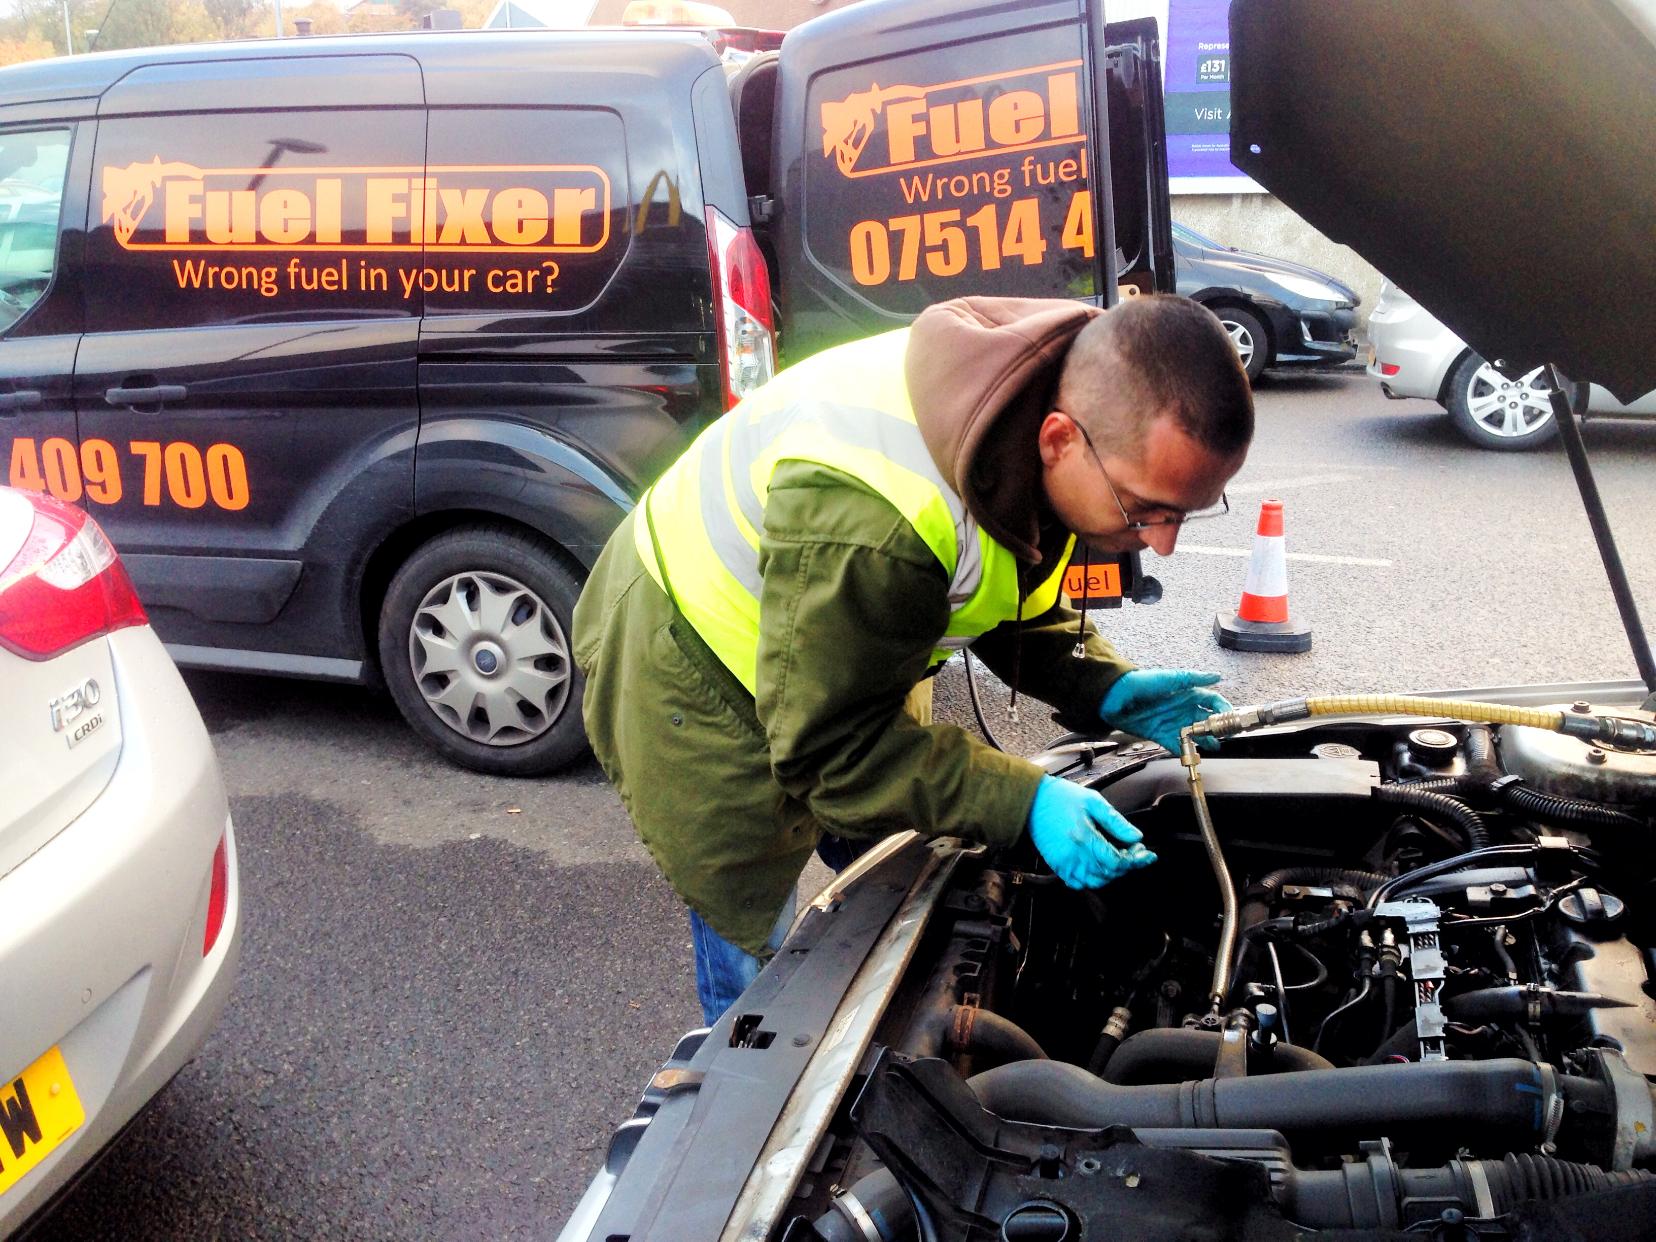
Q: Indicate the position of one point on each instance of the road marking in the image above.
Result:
(1248, 487)
(1313, 557)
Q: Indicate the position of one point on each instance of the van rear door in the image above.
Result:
(957, 160)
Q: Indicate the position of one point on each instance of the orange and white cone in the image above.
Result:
(1262, 621)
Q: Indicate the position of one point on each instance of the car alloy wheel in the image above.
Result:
(1247, 335)
(1511, 408)
(1496, 412)
(490, 658)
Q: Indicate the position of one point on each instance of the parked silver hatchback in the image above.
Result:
(120, 933)
(1412, 354)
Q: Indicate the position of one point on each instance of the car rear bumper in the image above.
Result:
(101, 942)
(1411, 352)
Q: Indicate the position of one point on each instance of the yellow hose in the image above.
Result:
(1457, 709)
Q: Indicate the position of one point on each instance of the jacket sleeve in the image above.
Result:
(851, 605)
(1046, 667)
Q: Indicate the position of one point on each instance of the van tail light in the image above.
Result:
(64, 586)
(741, 293)
(216, 898)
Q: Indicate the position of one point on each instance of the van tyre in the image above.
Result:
(474, 646)
(1248, 335)
(1494, 412)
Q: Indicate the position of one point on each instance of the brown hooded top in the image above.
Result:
(982, 373)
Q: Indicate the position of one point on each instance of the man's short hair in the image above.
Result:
(1159, 354)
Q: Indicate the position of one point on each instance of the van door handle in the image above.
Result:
(155, 394)
(11, 402)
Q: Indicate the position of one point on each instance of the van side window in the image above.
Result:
(255, 217)
(32, 168)
(530, 209)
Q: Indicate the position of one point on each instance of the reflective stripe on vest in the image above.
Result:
(848, 409)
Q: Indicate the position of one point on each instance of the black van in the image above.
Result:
(360, 347)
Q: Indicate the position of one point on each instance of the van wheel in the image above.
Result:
(474, 645)
(1247, 333)
(1495, 412)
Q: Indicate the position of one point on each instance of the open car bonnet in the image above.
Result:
(1394, 975)
(1493, 157)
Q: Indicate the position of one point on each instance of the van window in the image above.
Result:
(924, 181)
(256, 217)
(530, 209)
(32, 168)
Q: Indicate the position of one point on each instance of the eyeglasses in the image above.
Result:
(1173, 518)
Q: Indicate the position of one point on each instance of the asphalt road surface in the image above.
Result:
(453, 987)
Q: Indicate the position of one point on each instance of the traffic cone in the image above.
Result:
(1262, 621)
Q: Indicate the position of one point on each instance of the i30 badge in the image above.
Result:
(68, 710)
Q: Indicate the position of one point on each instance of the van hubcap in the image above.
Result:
(490, 658)
(1509, 408)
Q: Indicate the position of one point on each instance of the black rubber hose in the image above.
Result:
(878, 1197)
(980, 1032)
(1564, 812)
(1438, 806)
(1177, 1054)
(1480, 753)
(1256, 901)
(1504, 1095)
(1357, 1195)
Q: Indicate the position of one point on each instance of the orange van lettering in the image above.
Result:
(329, 213)
(924, 126)
(285, 216)
(540, 207)
(387, 203)
(1017, 117)
(520, 216)
(463, 217)
(567, 208)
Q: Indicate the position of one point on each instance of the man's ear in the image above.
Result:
(1058, 437)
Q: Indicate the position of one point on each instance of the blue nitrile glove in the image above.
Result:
(1155, 703)
(1067, 823)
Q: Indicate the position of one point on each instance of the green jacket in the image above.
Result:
(730, 791)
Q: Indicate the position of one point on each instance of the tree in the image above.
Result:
(235, 19)
(16, 51)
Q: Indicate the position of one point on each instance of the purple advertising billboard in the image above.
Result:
(1196, 61)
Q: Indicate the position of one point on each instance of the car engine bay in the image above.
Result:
(1390, 976)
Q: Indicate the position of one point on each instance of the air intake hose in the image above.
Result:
(1175, 1054)
(1363, 1197)
(1507, 1095)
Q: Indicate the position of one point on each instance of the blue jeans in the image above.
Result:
(723, 971)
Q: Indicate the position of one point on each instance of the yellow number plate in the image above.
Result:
(38, 1110)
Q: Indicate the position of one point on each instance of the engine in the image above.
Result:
(1401, 984)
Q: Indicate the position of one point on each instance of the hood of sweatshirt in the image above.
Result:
(982, 373)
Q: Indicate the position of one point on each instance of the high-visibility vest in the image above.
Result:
(846, 408)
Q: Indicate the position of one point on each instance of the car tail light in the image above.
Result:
(216, 898)
(64, 586)
(1390, 368)
(741, 293)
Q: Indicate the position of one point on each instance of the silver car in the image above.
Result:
(1413, 355)
(117, 856)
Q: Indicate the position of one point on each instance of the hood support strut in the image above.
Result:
(1564, 410)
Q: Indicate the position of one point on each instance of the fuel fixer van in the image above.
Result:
(358, 348)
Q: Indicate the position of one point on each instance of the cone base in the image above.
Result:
(1231, 631)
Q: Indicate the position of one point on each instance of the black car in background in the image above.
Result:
(1278, 313)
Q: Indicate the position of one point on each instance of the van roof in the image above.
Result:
(88, 75)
